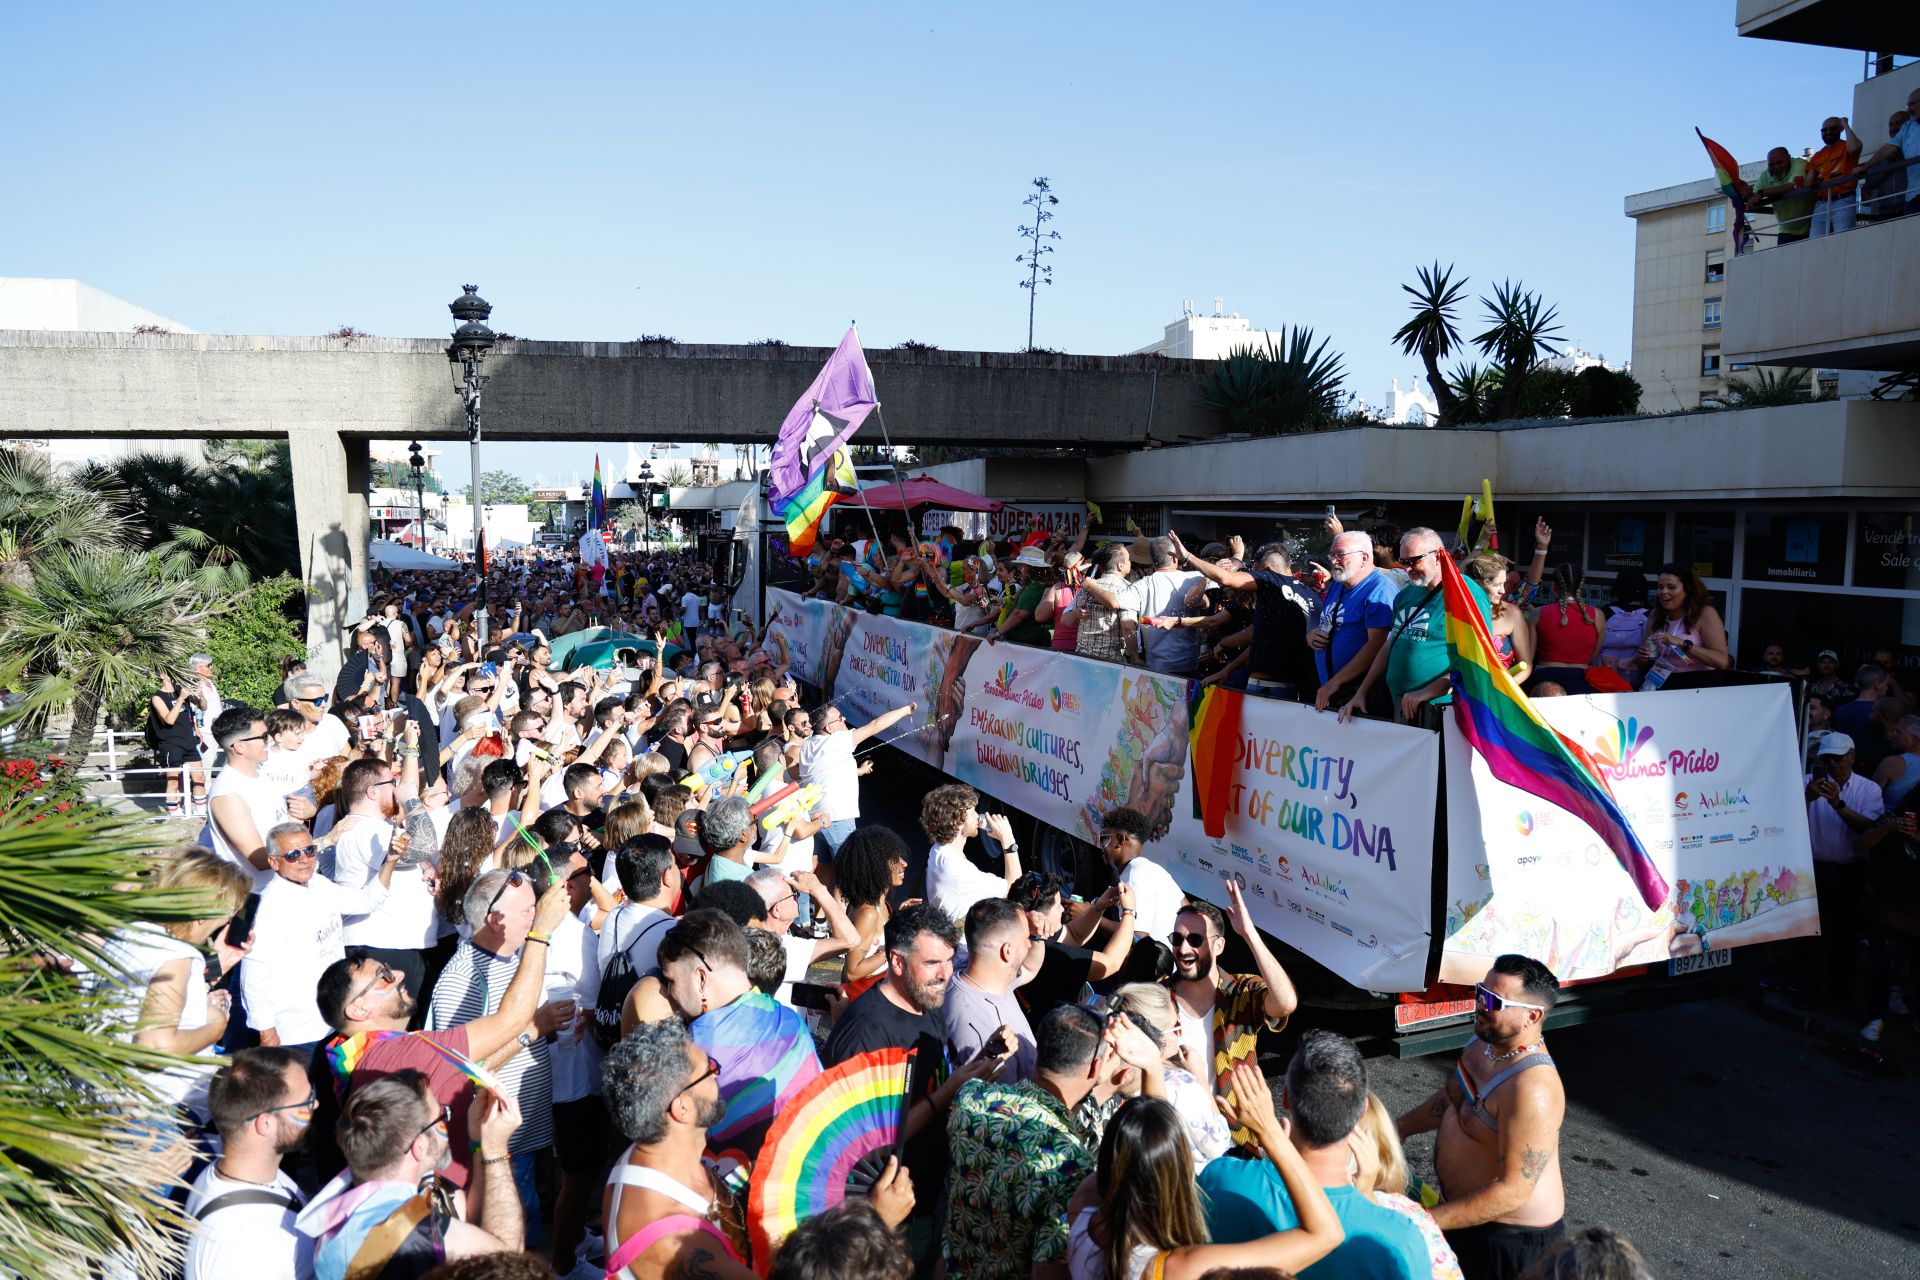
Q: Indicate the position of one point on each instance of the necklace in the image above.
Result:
(220, 1170)
(1502, 1057)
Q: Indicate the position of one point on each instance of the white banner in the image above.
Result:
(1008, 522)
(806, 625)
(1711, 780)
(1329, 834)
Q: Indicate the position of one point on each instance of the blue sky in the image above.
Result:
(726, 173)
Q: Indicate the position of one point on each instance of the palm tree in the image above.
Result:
(1767, 387)
(109, 622)
(74, 1178)
(42, 510)
(229, 510)
(1431, 332)
(1523, 329)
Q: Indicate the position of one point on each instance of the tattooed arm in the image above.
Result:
(1529, 1145)
(1426, 1117)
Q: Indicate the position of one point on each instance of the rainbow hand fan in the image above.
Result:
(831, 1140)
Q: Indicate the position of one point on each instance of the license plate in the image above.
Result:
(1700, 963)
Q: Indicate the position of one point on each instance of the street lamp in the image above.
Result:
(644, 483)
(418, 462)
(471, 342)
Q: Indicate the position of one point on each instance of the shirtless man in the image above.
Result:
(1498, 1117)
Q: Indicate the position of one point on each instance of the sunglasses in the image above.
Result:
(1494, 1002)
(299, 852)
(713, 1069)
(385, 978)
(1191, 939)
(513, 881)
(1422, 556)
(307, 1105)
(320, 701)
(256, 737)
(439, 1122)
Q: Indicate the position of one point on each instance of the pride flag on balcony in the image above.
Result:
(1524, 751)
(1726, 172)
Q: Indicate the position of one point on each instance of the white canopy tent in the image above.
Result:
(396, 555)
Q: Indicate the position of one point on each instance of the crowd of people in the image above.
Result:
(509, 969)
(1835, 187)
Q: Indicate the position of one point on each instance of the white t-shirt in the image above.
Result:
(407, 918)
(1155, 896)
(635, 930)
(799, 960)
(954, 884)
(296, 935)
(246, 1241)
(266, 804)
(573, 973)
(827, 759)
(690, 609)
(143, 950)
(1196, 1033)
(324, 741)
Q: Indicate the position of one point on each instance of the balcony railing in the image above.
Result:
(1878, 193)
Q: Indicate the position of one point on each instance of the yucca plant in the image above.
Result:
(1523, 329)
(1290, 386)
(1431, 334)
(1764, 387)
(1474, 389)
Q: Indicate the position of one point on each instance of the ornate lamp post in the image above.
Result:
(418, 462)
(471, 342)
(644, 483)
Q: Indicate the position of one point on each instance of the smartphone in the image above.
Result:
(811, 995)
(240, 928)
(372, 726)
(1330, 510)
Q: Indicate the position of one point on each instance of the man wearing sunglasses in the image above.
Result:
(297, 933)
(326, 735)
(244, 803)
(362, 997)
(243, 1204)
(1413, 661)
(1498, 1117)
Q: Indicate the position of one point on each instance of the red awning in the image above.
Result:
(921, 491)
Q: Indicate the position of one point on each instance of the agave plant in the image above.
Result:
(76, 1172)
(1523, 329)
(1765, 387)
(1431, 334)
(1286, 387)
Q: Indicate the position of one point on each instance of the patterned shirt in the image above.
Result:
(1239, 1012)
(470, 987)
(1017, 1158)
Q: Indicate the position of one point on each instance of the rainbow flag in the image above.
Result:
(343, 1054)
(803, 512)
(1726, 172)
(597, 508)
(1524, 751)
(1215, 720)
(766, 1056)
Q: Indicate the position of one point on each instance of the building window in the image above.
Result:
(1711, 318)
(1709, 362)
(1716, 265)
(1716, 217)
(1737, 367)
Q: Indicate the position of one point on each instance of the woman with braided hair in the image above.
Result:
(1568, 633)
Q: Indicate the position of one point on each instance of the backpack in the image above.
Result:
(618, 980)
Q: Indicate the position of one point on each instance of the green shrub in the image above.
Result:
(247, 641)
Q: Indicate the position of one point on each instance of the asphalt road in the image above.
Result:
(1718, 1138)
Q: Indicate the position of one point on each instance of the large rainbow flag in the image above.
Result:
(803, 512)
(597, 508)
(766, 1056)
(1726, 172)
(1524, 751)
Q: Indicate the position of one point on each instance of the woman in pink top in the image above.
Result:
(1684, 632)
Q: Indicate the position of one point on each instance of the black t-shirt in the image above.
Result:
(675, 754)
(875, 1022)
(429, 738)
(1284, 609)
(1062, 975)
(180, 733)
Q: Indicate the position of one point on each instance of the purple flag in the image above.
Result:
(843, 393)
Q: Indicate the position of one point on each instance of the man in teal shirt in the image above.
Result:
(1325, 1095)
(1413, 661)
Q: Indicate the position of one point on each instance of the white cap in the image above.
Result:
(1834, 744)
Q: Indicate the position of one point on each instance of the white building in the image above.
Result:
(1197, 337)
(1574, 358)
(72, 306)
(1413, 405)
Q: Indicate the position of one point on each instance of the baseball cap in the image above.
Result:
(686, 833)
(1835, 744)
(1828, 653)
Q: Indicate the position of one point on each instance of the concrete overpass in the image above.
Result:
(330, 396)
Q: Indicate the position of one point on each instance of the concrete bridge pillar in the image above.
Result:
(330, 513)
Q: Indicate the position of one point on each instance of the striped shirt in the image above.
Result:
(471, 987)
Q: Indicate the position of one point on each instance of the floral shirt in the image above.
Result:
(1017, 1158)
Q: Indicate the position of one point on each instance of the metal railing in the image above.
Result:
(110, 774)
(1869, 208)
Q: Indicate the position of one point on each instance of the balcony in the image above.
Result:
(1847, 301)
(1838, 24)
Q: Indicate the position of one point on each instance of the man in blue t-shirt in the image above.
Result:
(1354, 619)
(1325, 1095)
